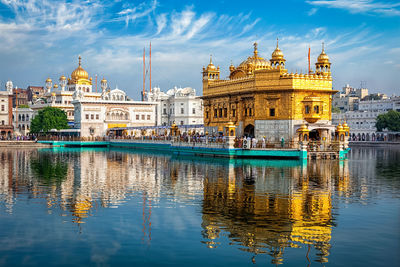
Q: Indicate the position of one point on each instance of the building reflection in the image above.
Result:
(265, 210)
(263, 207)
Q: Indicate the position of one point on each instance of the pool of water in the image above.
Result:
(121, 207)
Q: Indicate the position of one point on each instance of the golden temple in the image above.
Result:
(263, 99)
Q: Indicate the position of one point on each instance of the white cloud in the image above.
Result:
(361, 6)
(131, 14)
(312, 11)
(182, 41)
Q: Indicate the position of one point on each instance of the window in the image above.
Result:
(92, 117)
(245, 112)
(165, 111)
(2, 122)
(87, 116)
(272, 112)
(148, 117)
(2, 107)
(225, 112)
(142, 117)
(181, 122)
(215, 113)
(206, 114)
(234, 112)
(316, 109)
(137, 117)
(182, 111)
(193, 110)
(307, 109)
(97, 116)
(220, 112)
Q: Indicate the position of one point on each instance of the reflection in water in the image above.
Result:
(264, 211)
(263, 207)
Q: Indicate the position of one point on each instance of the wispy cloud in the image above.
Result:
(131, 14)
(361, 6)
(312, 11)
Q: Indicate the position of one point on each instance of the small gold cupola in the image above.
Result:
(277, 58)
(211, 72)
(323, 65)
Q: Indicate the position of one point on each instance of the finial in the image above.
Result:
(210, 59)
(277, 42)
(255, 49)
(323, 47)
(79, 60)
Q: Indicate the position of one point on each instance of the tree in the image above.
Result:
(389, 120)
(335, 110)
(49, 118)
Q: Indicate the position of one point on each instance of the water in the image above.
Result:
(118, 207)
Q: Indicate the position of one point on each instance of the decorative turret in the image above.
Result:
(103, 84)
(63, 82)
(49, 84)
(277, 58)
(211, 72)
(323, 65)
(9, 86)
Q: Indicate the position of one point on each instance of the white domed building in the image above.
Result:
(90, 112)
(179, 105)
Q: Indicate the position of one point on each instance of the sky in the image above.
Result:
(43, 38)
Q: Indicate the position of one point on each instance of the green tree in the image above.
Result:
(389, 120)
(335, 110)
(49, 118)
(23, 106)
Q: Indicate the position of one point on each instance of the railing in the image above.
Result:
(321, 146)
(71, 138)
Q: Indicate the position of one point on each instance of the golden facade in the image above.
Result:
(263, 99)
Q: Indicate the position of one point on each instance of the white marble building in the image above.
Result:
(362, 122)
(61, 95)
(22, 118)
(6, 128)
(179, 105)
(113, 109)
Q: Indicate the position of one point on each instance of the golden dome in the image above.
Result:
(277, 54)
(103, 80)
(323, 57)
(53, 94)
(211, 66)
(63, 78)
(339, 127)
(79, 72)
(255, 62)
(48, 80)
(55, 86)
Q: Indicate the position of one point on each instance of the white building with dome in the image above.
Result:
(179, 105)
(92, 113)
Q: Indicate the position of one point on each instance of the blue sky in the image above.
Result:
(43, 38)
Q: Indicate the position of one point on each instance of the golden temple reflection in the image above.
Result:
(290, 213)
(261, 206)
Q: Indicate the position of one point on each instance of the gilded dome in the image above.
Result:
(255, 62)
(211, 66)
(277, 54)
(55, 86)
(323, 57)
(79, 72)
(62, 78)
(103, 80)
(48, 80)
